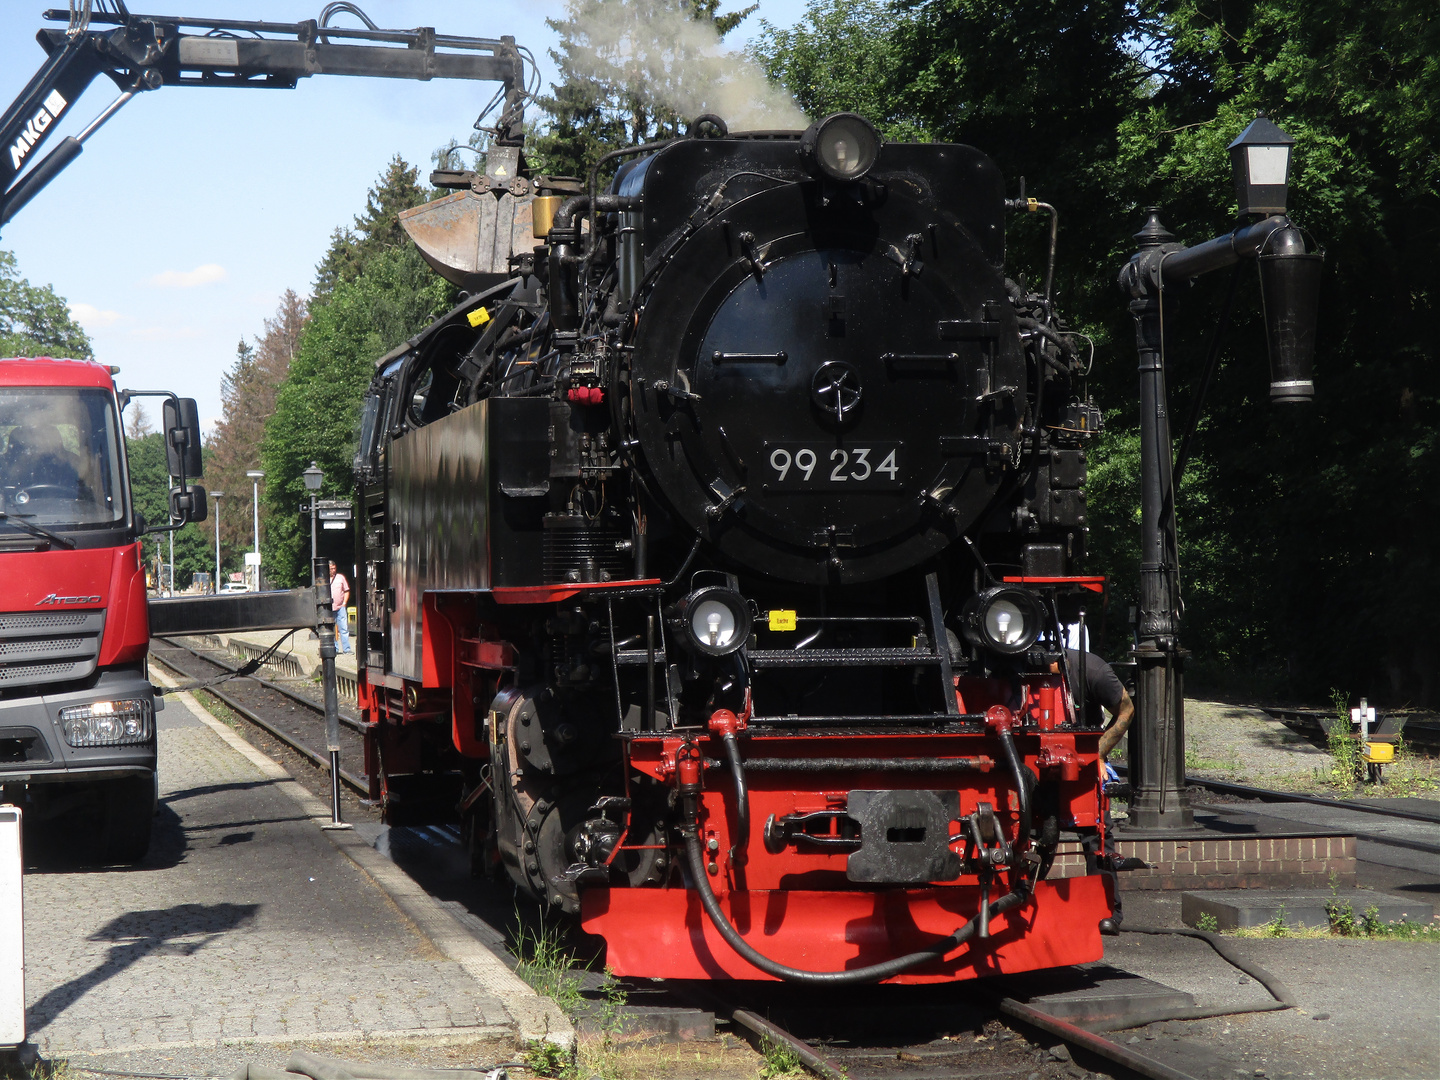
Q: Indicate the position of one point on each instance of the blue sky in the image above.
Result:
(175, 232)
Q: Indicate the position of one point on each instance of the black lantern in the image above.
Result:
(1260, 161)
(314, 476)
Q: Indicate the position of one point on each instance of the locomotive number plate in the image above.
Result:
(796, 466)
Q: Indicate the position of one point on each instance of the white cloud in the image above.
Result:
(91, 317)
(207, 274)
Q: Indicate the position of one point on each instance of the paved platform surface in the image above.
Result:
(247, 924)
(1366, 1008)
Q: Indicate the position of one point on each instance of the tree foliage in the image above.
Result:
(380, 293)
(34, 321)
(377, 229)
(150, 488)
(248, 391)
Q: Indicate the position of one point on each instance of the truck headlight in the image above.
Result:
(127, 722)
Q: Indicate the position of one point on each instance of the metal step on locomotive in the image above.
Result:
(715, 554)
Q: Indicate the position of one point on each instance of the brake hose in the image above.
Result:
(742, 794)
(1022, 780)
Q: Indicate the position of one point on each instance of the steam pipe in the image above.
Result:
(624, 151)
(564, 243)
(564, 220)
(873, 973)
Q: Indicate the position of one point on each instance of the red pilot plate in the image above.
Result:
(665, 933)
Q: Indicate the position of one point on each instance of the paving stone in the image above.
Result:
(215, 938)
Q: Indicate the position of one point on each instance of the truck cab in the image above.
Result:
(77, 710)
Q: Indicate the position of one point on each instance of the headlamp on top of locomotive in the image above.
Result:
(842, 147)
(1002, 619)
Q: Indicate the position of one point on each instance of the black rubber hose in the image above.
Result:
(873, 973)
(742, 793)
(1022, 781)
(1278, 990)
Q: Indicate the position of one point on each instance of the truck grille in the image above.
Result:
(48, 647)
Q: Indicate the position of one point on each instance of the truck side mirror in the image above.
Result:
(141, 525)
(182, 440)
(188, 503)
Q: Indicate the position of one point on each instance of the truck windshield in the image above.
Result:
(60, 456)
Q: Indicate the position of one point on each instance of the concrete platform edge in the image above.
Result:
(451, 1036)
(537, 1018)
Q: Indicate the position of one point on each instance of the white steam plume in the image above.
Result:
(669, 62)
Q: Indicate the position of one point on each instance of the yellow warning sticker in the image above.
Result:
(782, 620)
(478, 317)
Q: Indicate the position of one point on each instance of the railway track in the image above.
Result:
(290, 718)
(874, 1033)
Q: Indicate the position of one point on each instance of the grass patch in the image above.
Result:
(1343, 922)
(779, 1061)
(547, 965)
(546, 1059)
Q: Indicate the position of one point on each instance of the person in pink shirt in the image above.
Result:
(339, 601)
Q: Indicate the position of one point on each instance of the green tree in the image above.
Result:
(843, 57)
(248, 391)
(376, 230)
(150, 489)
(373, 290)
(34, 321)
(317, 410)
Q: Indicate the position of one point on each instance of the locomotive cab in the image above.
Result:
(718, 557)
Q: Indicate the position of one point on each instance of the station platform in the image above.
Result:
(249, 931)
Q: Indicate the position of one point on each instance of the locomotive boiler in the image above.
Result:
(715, 554)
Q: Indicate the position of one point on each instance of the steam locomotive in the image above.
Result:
(715, 555)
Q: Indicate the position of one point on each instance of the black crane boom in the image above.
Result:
(146, 52)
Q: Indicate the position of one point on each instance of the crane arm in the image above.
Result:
(145, 52)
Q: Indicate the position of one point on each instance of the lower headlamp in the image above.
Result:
(1002, 619)
(127, 722)
(715, 620)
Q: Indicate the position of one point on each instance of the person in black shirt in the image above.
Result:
(1103, 692)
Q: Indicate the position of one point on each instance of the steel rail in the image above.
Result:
(758, 1031)
(1087, 1040)
(321, 761)
(765, 1031)
(300, 699)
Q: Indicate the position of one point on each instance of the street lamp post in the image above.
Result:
(217, 496)
(314, 477)
(255, 476)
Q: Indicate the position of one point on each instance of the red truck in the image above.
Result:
(77, 710)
